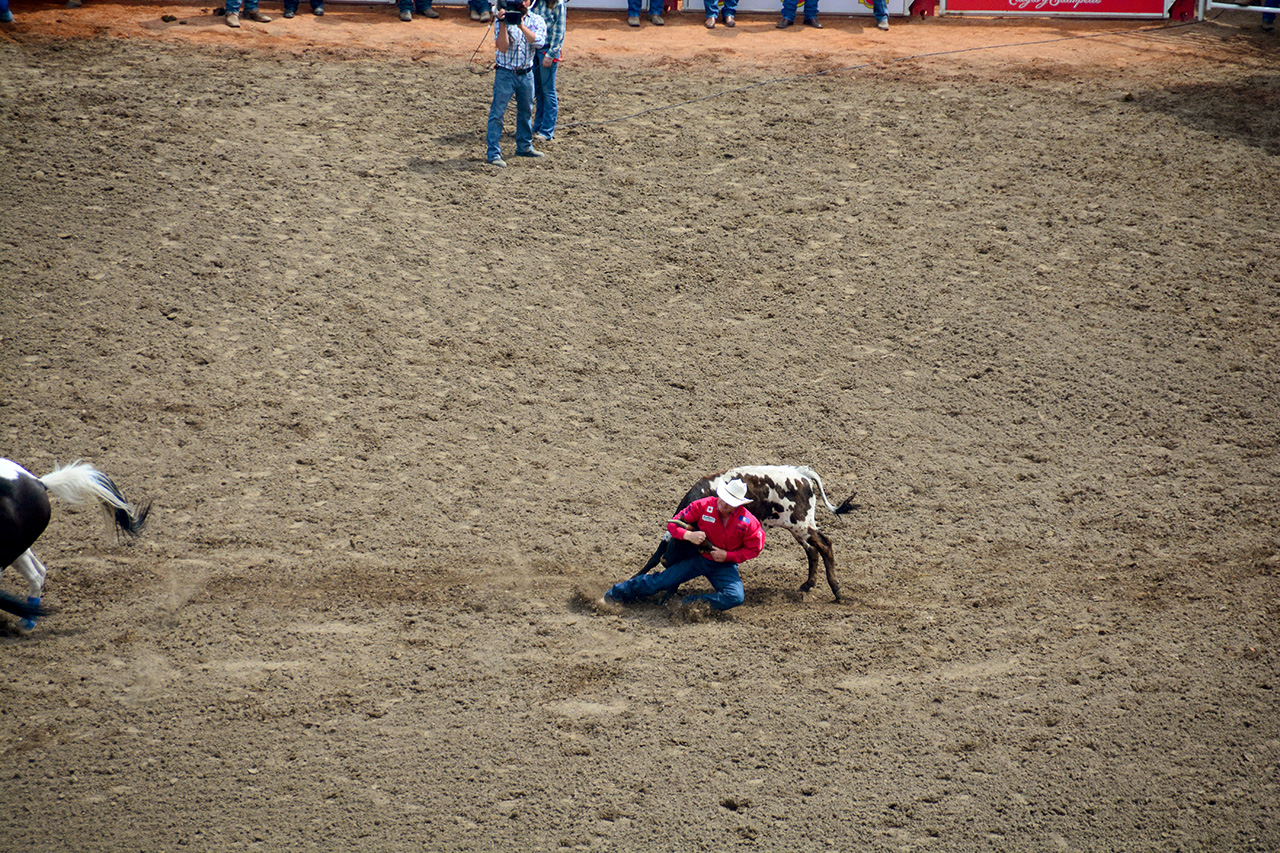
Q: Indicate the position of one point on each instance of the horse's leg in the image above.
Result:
(33, 570)
(29, 565)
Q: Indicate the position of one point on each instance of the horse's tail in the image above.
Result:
(812, 476)
(29, 609)
(80, 482)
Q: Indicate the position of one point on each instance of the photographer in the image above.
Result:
(517, 33)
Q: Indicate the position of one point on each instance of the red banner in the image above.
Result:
(1079, 8)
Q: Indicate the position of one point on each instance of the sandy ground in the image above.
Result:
(404, 417)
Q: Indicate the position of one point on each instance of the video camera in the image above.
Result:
(512, 11)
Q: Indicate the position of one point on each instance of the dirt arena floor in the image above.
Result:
(404, 417)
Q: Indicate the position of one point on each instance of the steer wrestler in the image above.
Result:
(734, 536)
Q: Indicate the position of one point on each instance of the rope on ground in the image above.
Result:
(798, 77)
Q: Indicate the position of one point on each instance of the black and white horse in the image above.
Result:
(25, 511)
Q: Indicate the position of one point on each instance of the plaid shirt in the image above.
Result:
(553, 12)
(520, 55)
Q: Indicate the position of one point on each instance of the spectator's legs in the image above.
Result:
(544, 118)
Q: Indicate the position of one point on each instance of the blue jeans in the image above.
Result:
(633, 7)
(415, 6)
(292, 5)
(811, 9)
(723, 577)
(479, 5)
(508, 84)
(1270, 17)
(232, 7)
(544, 93)
(730, 7)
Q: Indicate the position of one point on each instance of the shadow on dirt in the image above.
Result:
(1248, 110)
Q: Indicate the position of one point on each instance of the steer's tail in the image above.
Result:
(80, 482)
(812, 476)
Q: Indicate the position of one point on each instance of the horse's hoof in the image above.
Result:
(29, 623)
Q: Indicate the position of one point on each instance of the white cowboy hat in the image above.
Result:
(734, 493)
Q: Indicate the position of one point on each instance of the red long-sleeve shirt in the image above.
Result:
(740, 535)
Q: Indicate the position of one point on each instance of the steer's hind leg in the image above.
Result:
(823, 545)
(657, 556)
(812, 553)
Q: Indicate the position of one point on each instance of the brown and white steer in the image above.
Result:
(781, 496)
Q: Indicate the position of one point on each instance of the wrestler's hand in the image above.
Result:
(695, 537)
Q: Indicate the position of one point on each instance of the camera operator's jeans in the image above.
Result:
(730, 7)
(811, 9)
(544, 92)
(506, 84)
(633, 7)
(724, 579)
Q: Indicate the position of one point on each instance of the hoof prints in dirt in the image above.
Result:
(1015, 307)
